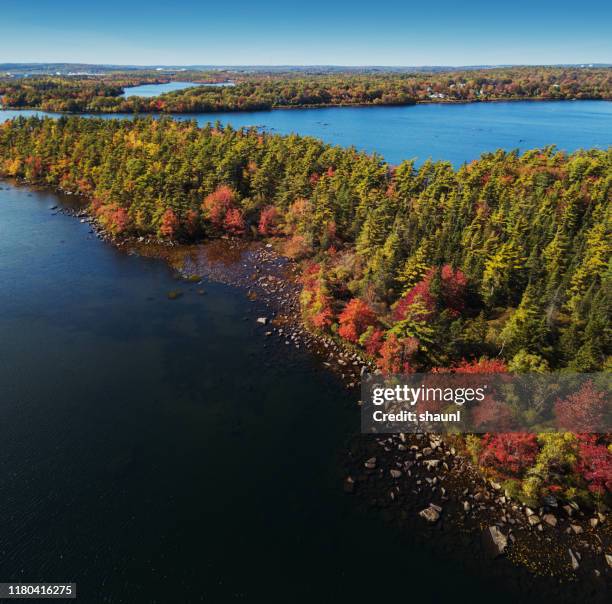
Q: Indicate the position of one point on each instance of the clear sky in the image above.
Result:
(307, 32)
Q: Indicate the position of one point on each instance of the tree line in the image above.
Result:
(265, 91)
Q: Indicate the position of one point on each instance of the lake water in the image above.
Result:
(149, 90)
(457, 133)
(158, 450)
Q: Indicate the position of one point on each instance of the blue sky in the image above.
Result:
(274, 32)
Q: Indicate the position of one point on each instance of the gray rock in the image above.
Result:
(430, 514)
(550, 519)
(576, 528)
(533, 519)
(494, 542)
(395, 473)
(573, 560)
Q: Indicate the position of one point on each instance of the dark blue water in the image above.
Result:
(457, 133)
(150, 90)
(158, 450)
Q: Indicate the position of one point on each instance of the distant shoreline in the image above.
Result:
(317, 106)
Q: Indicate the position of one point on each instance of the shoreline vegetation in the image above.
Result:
(268, 91)
(501, 265)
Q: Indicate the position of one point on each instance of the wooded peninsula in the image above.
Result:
(501, 265)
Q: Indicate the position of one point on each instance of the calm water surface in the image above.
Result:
(149, 90)
(457, 133)
(165, 451)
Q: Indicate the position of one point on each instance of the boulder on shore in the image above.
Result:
(494, 542)
(573, 560)
(430, 514)
(550, 519)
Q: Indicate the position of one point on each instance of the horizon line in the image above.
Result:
(307, 65)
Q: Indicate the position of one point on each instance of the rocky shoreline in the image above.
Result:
(422, 484)
(426, 485)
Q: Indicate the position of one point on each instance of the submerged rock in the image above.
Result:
(370, 464)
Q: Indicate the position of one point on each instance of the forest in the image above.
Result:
(501, 265)
(265, 91)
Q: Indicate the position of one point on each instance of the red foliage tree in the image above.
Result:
(217, 204)
(356, 317)
(192, 223)
(268, 221)
(453, 284)
(420, 291)
(583, 411)
(234, 222)
(595, 466)
(115, 218)
(373, 343)
(119, 220)
(482, 365)
(169, 224)
(509, 452)
(324, 317)
(395, 355)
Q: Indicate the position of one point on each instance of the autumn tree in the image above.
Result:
(356, 317)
